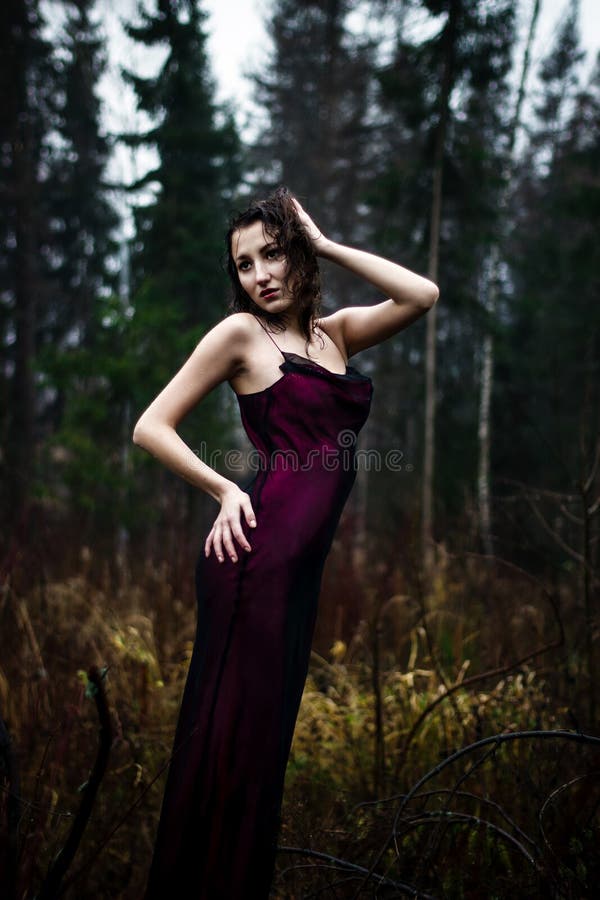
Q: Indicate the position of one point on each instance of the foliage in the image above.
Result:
(56, 629)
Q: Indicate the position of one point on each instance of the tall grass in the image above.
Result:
(421, 675)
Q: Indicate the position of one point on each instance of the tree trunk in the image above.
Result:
(20, 443)
(449, 38)
(491, 280)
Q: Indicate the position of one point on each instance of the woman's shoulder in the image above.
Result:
(237, 326)
(235, 336)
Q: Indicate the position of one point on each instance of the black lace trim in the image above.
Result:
(295, 359)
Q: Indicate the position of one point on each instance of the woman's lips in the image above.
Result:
(268, 293)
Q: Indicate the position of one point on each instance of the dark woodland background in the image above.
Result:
(447, 744)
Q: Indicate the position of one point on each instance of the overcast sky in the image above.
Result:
(239, 43)
(239, 37)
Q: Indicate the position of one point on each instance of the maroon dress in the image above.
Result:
(220, 818)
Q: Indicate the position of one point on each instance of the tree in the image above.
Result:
(315, 134)
(81, 241)
(27, 85)
(178, 283)
(490, 283)
(550, 384)
(80, 237)
(447, 95)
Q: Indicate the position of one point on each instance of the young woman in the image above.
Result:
(259, 576)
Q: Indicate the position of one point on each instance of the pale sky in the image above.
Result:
(239, 36)
(239, 43)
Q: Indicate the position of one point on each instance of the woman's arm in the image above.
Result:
(360, 327)
(216, 359)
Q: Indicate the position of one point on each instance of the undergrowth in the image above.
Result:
(380, 709)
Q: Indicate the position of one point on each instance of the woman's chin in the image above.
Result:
(276, 305)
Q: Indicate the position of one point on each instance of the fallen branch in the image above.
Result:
(492, 742)
(353, 867)
(10, 772)
(490, 673)
(52, 886)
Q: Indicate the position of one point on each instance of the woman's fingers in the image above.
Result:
(228, 526)
(249, 513)
(217, 543)
(228, 542)
(240, 536)
(313, 232)
(209, 541)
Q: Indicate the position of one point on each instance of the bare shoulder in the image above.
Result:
(217, 357)
(239, 327)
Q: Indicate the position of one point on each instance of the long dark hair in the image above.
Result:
(281, 223)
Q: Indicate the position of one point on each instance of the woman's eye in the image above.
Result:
(274, 253)
(244, 266)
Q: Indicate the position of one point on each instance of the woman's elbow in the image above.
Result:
(431, 292)
(140, 435)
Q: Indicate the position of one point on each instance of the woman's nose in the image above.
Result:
(262, 273)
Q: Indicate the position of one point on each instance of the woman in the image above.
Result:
(258, 579)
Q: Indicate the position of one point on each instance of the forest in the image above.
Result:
(448, 741)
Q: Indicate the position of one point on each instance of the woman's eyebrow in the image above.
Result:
(261, 250)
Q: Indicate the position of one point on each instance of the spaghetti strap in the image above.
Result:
(269, 334)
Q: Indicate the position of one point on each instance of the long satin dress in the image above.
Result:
(220, 818)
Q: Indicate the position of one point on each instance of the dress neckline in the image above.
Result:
(351, 374)
(312, 362)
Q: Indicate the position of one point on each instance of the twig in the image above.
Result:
(456, 818)
(490, 673)
(437, 835)
(484, 800)
(52, 887)
(550, 799)
(494, 740)
(354, 867)
(13, 810)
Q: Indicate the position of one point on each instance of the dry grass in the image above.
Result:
(362, 734)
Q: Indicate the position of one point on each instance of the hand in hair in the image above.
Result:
(315, 234)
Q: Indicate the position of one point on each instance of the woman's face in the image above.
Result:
(261, 266)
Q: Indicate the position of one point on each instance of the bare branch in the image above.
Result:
(590, 479)
(494, 741)
(490, 673)
(52, 886)
(547, 528)
(9, 768)
(353, 867)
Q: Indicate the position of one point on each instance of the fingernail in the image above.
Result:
(220, 559)
(234, 559)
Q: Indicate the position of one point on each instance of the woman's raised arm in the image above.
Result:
(359, 327)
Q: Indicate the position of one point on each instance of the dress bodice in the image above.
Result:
(309, 414)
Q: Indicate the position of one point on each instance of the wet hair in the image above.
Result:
(282, 224)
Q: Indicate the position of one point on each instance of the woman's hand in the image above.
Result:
(315, 234)
(227, 525)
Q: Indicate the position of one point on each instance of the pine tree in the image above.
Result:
(444, 102)
(27, 84)
(81, 239)
(553, 274)
(177, 276)
(82, 447)
(85, 220)
(315, 137)
(179, 288)
(550, 360)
